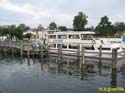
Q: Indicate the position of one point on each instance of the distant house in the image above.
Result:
(3, 38)
(117, 35)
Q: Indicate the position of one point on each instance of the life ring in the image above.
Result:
(93, 41)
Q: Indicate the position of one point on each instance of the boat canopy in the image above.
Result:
(74, 32)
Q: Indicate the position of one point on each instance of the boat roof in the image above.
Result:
(75, 32)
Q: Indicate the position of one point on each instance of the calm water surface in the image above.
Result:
(53, 76)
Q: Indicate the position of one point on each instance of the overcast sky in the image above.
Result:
(35, 12)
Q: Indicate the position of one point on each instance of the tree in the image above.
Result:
(52, 26)
(104, 27)
(62, 28)
(80, 21)
(90, 28)
(28, 35)
(119, 26)
(23, 27)
(19, 33)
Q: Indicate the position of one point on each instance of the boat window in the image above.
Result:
(105, 48)
(52, 45)
(86, 37)
(73, 36)
(62, 36)
(64, 46)
(73, 46)
(52, 36)
(89, 47)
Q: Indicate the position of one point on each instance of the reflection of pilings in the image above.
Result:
(58, 66)
(67, 67)
(114, 77)
(114, 69)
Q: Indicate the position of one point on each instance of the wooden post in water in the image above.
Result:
(82, 63)
(59, 51)
(78, 51)
(100, 59)
(28, 54)
(41, 51)
(5, 50)
(12, 48)
(83, 55)
(21, 50)
(114, 68)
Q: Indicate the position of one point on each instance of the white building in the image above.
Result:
(3, 38)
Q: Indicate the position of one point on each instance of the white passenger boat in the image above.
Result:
(71, 40)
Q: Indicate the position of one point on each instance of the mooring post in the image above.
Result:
(100, 59)
(12, 48)
(28, 54)
(114, 67)
(59, 51)
(78, 51)
(41, 51)
(5, 50)
(100, 54)
(28, 50)
(21, 50)
(82, 63)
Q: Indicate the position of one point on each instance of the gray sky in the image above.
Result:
(34, 12)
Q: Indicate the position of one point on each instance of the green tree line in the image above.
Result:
(13, 31)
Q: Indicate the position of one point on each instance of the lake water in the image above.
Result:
(52, 76)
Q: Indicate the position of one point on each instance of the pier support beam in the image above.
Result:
(82, 63)
(78, 52)
(114, 68)
(28, 55)
(100, 59)
(41, 51)
(59, 51)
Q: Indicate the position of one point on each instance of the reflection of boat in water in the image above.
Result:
(72, 40)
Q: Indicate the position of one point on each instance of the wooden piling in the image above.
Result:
(100, 54)
(28, 50)
(100, 59)
(114, 68)
(12, 48)
(5, 50)
(82, 63)
(28, 54)
(59, 51)
(21, 49)
(114, 58)
(78, 52)
(41, 51)
(83, 55)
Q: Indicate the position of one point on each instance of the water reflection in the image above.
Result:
(91, 72)
(73, 68)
